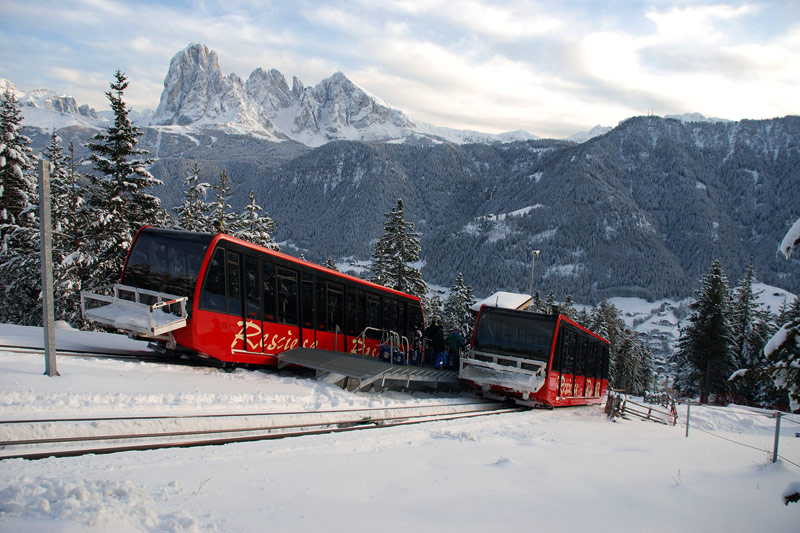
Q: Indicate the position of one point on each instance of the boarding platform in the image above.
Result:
(367, 371)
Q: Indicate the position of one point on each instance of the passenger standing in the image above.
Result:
(437, 344)
(454, 343)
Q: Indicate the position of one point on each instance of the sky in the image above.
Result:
(549, 67)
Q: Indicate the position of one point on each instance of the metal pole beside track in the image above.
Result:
(777, 436)
(46, 233)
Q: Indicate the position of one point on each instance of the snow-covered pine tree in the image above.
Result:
(223, 219)
(17, 184)
(550, 302)
(20, 273)
(193, 213)
(121, 189)
(67, 218)
(394, 252)
(606, 322)
(256, 227)
(753, 326)
(537, 304)
(783, 349)
(707, 347)
(747, 319)
(457, 313)
(433, 307)
(568, 308)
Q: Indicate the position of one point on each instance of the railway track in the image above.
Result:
(149, 357)
(71, 437)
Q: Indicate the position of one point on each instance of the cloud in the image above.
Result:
(545, 66)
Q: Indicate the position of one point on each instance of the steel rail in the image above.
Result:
(234, 415)
(325, 427)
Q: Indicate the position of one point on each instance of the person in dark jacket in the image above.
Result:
(436, 334)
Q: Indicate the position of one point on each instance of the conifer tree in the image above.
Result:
(393, 254)
(753, 326)
(193, 213)
(120, 195)
(20, 281)
(783, 349)
(223, 219)
(457, 312)
(66, 220)
(17, 185)
(256, 227)
(568, 308)
(707, 348)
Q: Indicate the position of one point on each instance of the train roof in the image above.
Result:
(215, 238)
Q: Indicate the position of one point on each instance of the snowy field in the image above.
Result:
(563, 470)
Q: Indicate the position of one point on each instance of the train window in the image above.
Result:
(591, 365)
(321, 304)
(268, 290)
(402, 318)
(568, 359)
(252, 290)
(415, 317)
(287, 296)
(234, 283)
(580, 356)
(604, 363)
(335, 308)
(213, 295)
(351, 311)
(373, 315)
(524, 335)
(556, 363)
(166, 261)
(362, 312)
(389, 314)
(307, 296)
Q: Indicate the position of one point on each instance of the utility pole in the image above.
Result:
(533, 263)
(46, 233)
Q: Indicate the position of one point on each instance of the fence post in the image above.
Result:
(777, 435)
(688, 409)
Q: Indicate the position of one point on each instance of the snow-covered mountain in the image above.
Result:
(197, 95)
(46, 109)
(583, 136)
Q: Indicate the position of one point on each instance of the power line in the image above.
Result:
(745, 445)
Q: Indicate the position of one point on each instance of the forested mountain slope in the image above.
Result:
(640, 211)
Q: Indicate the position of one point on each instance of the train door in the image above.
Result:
(252, 320)
(285, 333)
(309, 333)
(330, 316)
(334, 315)
(351, 319)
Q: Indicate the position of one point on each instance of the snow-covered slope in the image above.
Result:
(467, 475)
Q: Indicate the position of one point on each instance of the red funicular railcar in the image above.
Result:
(225, 298)
(536, 359)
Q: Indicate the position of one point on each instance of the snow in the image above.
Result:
(791, 239)
(565, 470)
(508, 300)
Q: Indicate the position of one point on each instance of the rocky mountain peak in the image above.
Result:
(193, 85)
(197, 95)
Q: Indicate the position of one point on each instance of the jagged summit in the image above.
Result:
(197, 94)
